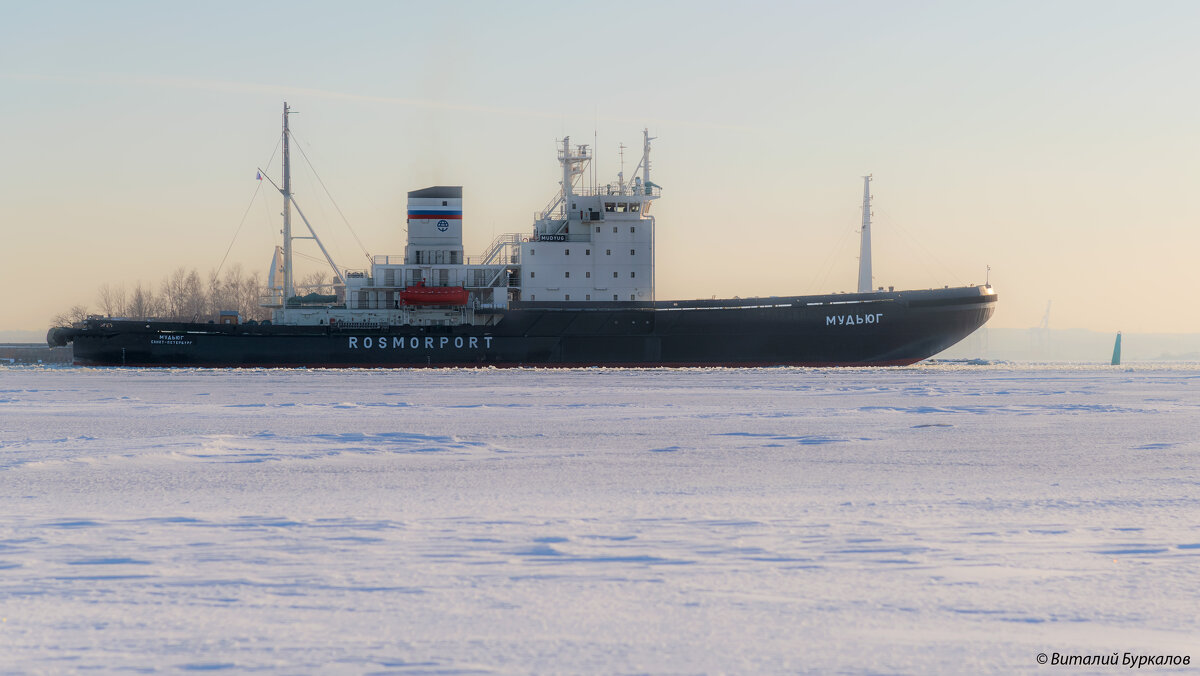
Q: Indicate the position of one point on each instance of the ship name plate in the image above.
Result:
(851, 320)
(170, 339)
(417, 342)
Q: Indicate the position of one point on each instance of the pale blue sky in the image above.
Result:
(1056, 142)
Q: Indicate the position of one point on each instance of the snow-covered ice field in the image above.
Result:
(934, 519)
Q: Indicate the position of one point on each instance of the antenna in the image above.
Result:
(621, 174)
(646, 139)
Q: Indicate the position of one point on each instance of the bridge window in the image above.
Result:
(610, 206)
(634, 207)
(622, 207)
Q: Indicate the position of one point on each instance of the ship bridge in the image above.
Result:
(592, 243)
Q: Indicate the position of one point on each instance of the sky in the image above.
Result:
(1054, 142)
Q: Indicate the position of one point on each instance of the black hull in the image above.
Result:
(877, 329)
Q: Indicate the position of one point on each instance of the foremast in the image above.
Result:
(280, 303)
(864, 251)
(289, 289)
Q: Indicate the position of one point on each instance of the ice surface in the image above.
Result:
(935, 519)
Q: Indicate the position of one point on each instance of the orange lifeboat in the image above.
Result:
(433, 295)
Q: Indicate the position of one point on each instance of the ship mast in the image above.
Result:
(646, 139)
(864, 251)
(568, 175)
(288, 289)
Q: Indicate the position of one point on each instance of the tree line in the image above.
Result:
(185, 296)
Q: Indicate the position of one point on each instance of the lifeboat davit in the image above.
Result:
(433, 295)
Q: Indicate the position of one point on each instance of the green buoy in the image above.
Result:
(1117, 351)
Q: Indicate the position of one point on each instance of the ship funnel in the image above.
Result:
(435, 226)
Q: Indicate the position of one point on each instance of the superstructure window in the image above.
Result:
(633, 228)
(597, 230)
(532, 251)
(614, 273)
(532, 274)
(567, 297)
(566, 252)
(588, 297)
(588, 274)
(632, 273)
(633, 252)
(587, 252)
(614, 229)
(631, 296)
(608, 252)
(567, 273)
(614, 296)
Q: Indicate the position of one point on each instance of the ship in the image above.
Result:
(575, 290)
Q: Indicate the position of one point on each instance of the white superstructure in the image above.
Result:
(592, 243)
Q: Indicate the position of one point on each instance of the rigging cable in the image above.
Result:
(239, 229)
(300, 147)
(311, 258)
(246, 213)
(835, 254)
(917, 246)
